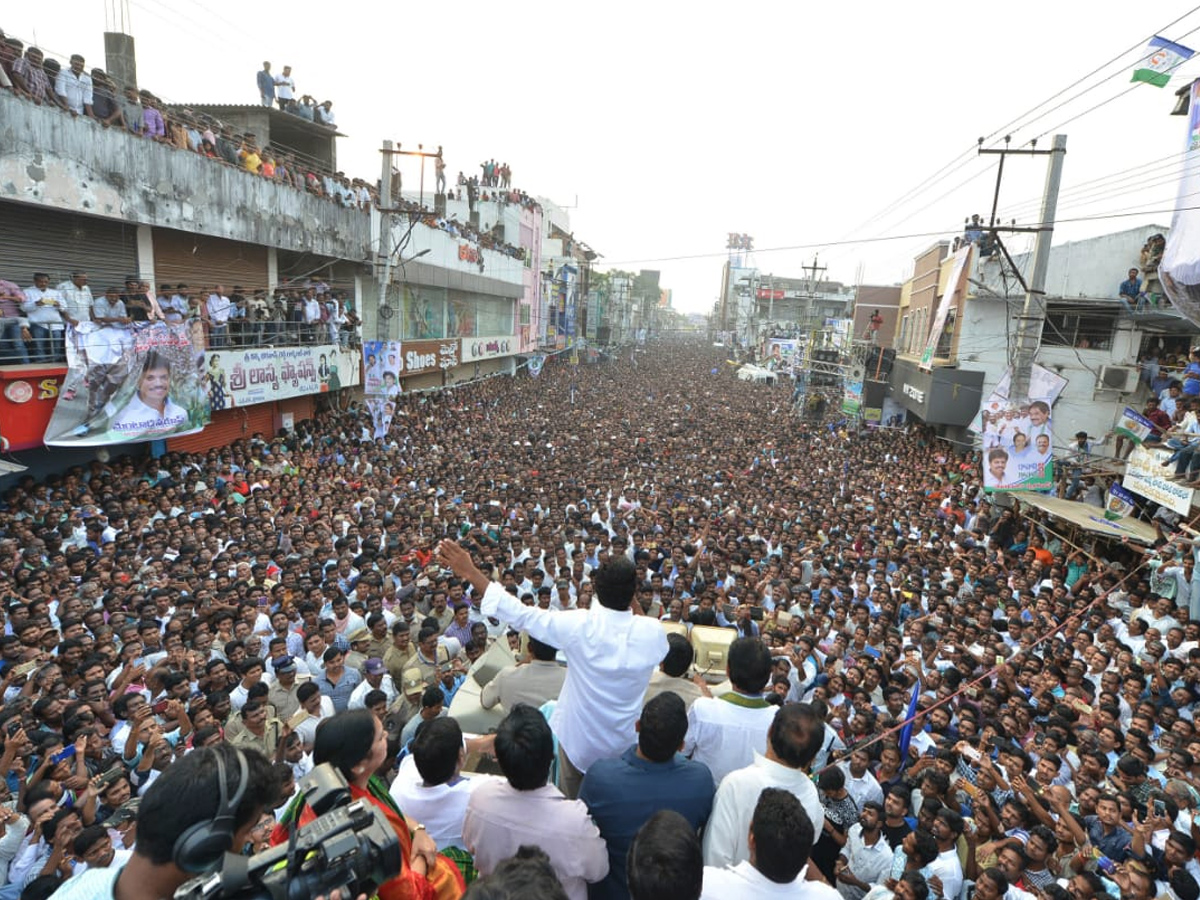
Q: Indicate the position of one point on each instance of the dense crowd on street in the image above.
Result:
(181, 629)
(34, 319)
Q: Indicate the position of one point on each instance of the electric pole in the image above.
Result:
(383, 262)
(813, 281)
(1029, 325)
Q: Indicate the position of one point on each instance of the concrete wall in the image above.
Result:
(53, 160)
(1094, 267)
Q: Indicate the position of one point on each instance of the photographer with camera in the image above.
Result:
(201, 806)
(355, 743)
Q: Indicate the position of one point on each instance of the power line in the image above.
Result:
(818, 245)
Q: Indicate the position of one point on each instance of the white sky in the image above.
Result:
(671, 124)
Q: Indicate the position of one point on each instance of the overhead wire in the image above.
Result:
(963, 159)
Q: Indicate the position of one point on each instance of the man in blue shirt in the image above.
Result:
(1105, 831)
(622, 794)
(1131, 289)
(1191, 374)
(266, 85)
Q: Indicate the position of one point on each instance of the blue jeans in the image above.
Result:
(12, 347)
(218, 335)
(47, 343)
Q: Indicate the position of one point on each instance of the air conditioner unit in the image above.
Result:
(1122, 379)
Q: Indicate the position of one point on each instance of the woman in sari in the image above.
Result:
(355, 743)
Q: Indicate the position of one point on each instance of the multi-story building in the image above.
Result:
(75, 197)
(1088, 336)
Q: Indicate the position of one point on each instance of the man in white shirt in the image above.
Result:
(725, 732)
(525, 809)
(780, 841)
(859, 781)
(219, 312)
(74, 86)
(792, 742)
(610, 655)
(312, 318)
(285, 87)
(77, 299)
(429, 786)
(44, 308)
(946, 829)
(866, 859)
(375, 678)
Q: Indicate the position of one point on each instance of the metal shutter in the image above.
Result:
(33, 239)
(227, 426)
(202, 262)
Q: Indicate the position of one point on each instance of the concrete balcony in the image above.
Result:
(51, 159)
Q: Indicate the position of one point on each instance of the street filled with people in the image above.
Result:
(928, 689)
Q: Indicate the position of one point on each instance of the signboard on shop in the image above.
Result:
(419, 357)
(475, 349)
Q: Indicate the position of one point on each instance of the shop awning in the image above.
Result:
(1090, 518)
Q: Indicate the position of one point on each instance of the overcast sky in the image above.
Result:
(666, 126)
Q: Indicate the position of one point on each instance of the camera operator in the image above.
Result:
(201, 806)
(355, 743)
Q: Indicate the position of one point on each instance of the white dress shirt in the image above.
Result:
(744, 882)
(441, 808)
(219, 309)
(871, 864)
(610, 657)
(948, 868)
(725, 735)
(725, 835)
(500, 819)
(358, 697)
(862, 789)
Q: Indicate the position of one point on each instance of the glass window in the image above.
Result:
(424, 313)
(1081, 329)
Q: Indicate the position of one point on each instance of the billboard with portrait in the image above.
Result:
(1018, 445)
(127, 384)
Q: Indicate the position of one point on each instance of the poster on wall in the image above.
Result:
(127, 384)
(779, 354)
(381, 359)
(1043, 383)
(244, 377)
(1018, 451)
(382, 362)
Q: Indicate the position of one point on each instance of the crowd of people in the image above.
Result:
(98, 98)
(195, 627)
(34, 319)
(281, 89)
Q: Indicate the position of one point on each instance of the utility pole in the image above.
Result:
(383, 262)
(813, 281)
(1029, 326)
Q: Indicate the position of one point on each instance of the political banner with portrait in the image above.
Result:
(237, 378)
(381, 368)
(779, 354)
(129, 383)
(1018, 446)
(382, 362)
